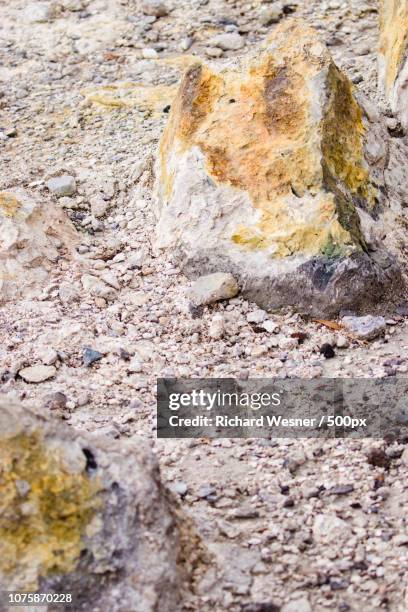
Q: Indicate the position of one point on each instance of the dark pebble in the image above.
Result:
(327, 351)
(341, 490)
(265, 606)
(378, 458)
(90, 356)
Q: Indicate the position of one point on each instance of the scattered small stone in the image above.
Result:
(205, 491)
(401, 540)
(213, 52)
(338, 585)
(55, 401)
(265, 606)
(244, 512)
(150, 53)
(378, 458)
(258, 316)
(186, 43)
(298, 605)
(228, 42)
(365, 328)
(154, 8)
(212, 288)
(62, 186)
(48, 356)
(342, 342)
(270, 326)
(271, 15)
(99, 206)
(217, 327)
(402, 309)
(404, 457)
(341, 490)
(179, 488)
(327, 351)
(90, 356)
(39, 12)
(37, 373)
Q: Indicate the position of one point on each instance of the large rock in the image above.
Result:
(262, 172)
(86, 517)
(393, 55)
(33, 236)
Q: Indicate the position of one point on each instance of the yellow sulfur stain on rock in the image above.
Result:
(262, 130)
(9, 204)
(44, 510)
(393, 38)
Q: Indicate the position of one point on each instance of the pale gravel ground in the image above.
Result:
(272, 558)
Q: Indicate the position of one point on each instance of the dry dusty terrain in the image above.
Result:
(86, 94)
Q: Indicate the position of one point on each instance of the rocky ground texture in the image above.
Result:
(91, 314)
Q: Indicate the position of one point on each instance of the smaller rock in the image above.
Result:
(90, 356)
(298, 605)
(73, 5)
(404, 457)
(271, 15)
(401, 540)
(37, 373)
(270, 326)
(330, 529)
(135, 366)
(212, 288)
(55, 401)
(214, 52)
(264, 606)
(205, 491)
(216, 328)
(327, 351)
(62, 186)
(228, 42)
(179, 488)
(243, 513)
(48, 356)
(68, 292)
(154, 8)
(341, 489)
(402, 309)
(186, 43)
(99, 206)
(39, 12)
(378, 458)
(150, 53)
(365, 328)
(258, 316)
(342, 342)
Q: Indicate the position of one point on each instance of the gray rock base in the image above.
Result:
(321, 287)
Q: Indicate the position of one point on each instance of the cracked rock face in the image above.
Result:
(262, 172)
(86, 516)
(393, 56)
(33, 236)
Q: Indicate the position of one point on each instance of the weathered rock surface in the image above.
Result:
(393, 56)
(33, 236)
(262, 172)
(86, 517)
